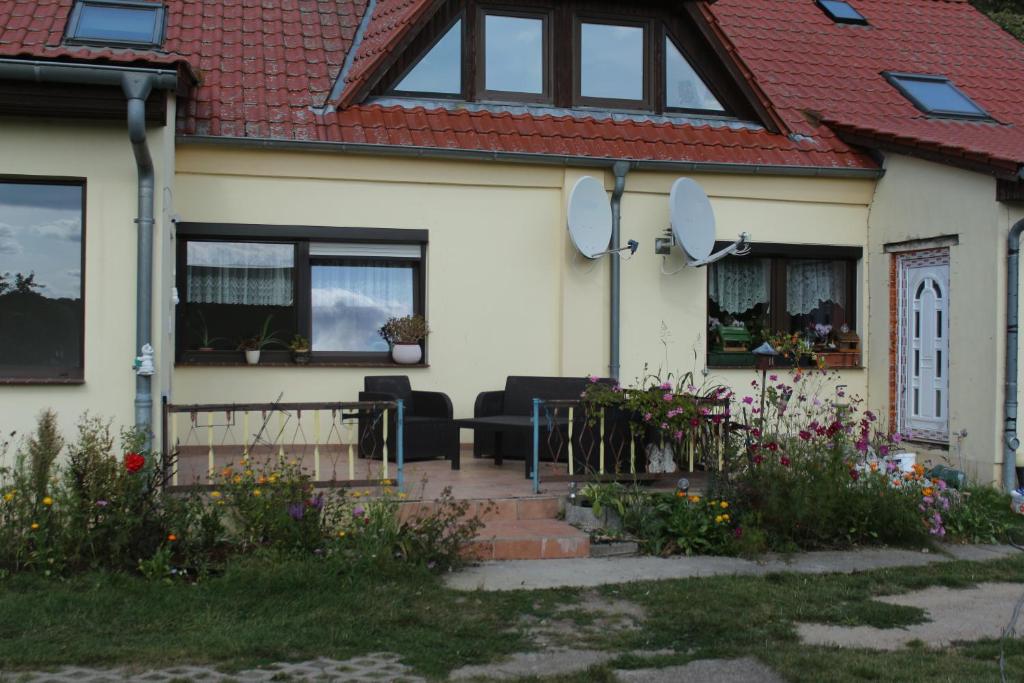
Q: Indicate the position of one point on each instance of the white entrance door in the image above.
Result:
(924, 345)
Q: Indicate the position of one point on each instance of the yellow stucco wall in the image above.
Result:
(101, 154)
(918, 200)
(507, 294)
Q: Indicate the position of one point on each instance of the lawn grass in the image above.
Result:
(261, 611)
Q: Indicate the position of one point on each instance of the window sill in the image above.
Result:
(721, 360)
(312, 364)
(28, 381)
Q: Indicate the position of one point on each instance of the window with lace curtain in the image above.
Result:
(332, 286)
(779, 288)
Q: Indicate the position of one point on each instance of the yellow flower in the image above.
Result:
(725, 518)
(262, 480)
(723, 505)
(248, 473)
(356, 494)
(257, 493)
(34, 526)
(293, 462)
(47, 501)
(220, 502)
(694, 499)
(237, 479)
(714, 502)
(928, 490)
(387, 490)
(215, 494)
(341, 534)
(402, 496)
(718, 519)
(273, 478)
(9, 496)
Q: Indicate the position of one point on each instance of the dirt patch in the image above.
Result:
(954, 615)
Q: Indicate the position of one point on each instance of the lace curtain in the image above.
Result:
(243, 273)
(737, 285)
(811, 283)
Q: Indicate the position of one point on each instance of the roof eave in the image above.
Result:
(449, 153)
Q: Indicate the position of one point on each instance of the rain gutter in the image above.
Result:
(620, 169)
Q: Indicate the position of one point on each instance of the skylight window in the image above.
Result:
(440, 70)
(117, 22)
(841, 12)
(935, 95)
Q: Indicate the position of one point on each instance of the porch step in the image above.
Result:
(529, 539)
(499, 510)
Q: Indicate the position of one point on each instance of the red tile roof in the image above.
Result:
(815, 70)
(393, 21)
(265, 68)
(580, 137)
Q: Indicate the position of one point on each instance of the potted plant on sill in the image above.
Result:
(255, 344)
(405, 335)
(299, 346)
(206, 342)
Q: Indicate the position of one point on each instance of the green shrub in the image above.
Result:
(982, 514)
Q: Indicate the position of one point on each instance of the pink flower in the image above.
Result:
(664, 425)
(773, 378)
(748, 400)
(668, 397)
(647, 417)
(593, 379)
(897, 437)
(667, 386)
(679, 435)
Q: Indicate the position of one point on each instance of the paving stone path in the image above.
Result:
(373, 668)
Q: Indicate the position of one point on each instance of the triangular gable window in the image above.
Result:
(440, 69)
(684, 89)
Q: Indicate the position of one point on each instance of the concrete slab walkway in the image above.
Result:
(581, 573)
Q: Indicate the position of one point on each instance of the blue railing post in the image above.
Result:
(536, 445)
(400, 437)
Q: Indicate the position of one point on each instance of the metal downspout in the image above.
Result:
(137, 88)
(620, 169)
(1010, 440)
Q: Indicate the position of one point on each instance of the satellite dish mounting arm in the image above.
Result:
(741, 247)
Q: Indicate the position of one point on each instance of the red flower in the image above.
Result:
(784, 461)
(773, 447)
(805, 435)
(854, 474)
(758, 459)
(133, 462)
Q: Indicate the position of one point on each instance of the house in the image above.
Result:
(176, 173)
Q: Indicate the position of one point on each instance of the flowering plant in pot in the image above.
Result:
(300, 349)
(404, 335)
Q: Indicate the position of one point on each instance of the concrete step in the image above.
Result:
(500, 510)
(529, 539)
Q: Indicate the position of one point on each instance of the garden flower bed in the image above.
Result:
(805, 467)
(101, 506)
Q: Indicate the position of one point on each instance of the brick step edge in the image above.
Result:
(546, 539)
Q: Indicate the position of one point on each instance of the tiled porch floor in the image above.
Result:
(479, 478)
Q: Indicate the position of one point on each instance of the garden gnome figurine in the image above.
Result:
(144, 363)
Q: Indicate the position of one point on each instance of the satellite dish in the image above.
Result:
(693, 219)
(590, 217)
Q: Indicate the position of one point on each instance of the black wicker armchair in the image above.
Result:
(428, 428)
